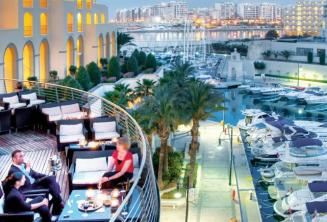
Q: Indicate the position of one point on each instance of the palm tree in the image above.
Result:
(161, 117)
(198, 102)
(145, 88)
(266, 54)
(121, 95)
(122, 39)
(286, 54)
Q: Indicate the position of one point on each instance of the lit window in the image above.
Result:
(96, 19)
(103, 18)
(43, 23)
(70, 22)
(79, 4)
(43, 3)
(88, 4)
(28, 24)
(28, 3)
(79, 22)
(88, 19)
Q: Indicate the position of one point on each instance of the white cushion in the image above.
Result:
(135, 173)
(73, 108)
(36, 102)
(54, 118)
(102, 127)
(1, 108)
(16, 105)
(136, 163)
(30, 96)
(71, 138)
(53, 111)
(91, 164)
(69, 130)
(90, 178)
(77, 115)
(2, 201)
(106, 136)
(11, 100)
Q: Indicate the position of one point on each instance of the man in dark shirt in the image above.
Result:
(35, 180)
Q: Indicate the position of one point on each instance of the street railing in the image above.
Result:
(145, 206)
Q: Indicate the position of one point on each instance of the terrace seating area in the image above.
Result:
(43, 127)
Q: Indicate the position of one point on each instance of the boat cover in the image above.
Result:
(316, 206)
(318, 186)
(279, 139)
(300, 142)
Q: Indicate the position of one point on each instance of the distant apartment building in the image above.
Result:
(168, 11)
(306, 17)
(42, 35)
(270, 11)
(226, 10)
(248, 11)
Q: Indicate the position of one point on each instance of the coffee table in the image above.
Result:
(71, 213)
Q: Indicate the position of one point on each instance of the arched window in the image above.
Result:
(79, 4)
(28, 60)
(44, 60)
(70, 22)
(28, 3)
(79, 22)
(69, 53)
(80, 54)
(103, 18)
(28, 24)
(88, 18)
(10, 66)
(100, 48)
(96, 19)
(44, 23)
(43, 3)
(88, 4)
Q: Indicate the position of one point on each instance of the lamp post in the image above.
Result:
(231, 155)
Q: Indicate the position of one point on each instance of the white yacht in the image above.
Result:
(253, 117)
(314, 99)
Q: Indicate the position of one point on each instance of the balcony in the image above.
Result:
(28, 3)
(28, 31)
(44, 30)
(70, 28)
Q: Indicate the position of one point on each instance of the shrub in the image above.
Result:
(69, 81)
(151, 62)
(258, 65)
(142, 58)
(132, 65)
(310, 57)
(272, 34)
(136, 54)
(72, 70)
(114, 68)
(83, 78)
(94, 72)
(322, 58)
(104, 63)
(53, 75)
(32, 78)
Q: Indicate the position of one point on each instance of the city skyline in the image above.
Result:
(115, 5)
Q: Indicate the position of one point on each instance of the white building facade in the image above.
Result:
(42, 35)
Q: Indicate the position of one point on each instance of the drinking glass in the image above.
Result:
(70, 205)
(85, 207)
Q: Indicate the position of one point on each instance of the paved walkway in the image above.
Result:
(214, 202)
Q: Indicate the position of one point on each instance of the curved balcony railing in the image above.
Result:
(146, 206)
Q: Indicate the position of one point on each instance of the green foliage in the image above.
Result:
(136, 54)
(175, 166)
(114, 67)
(72, 70)
(94, 72)
(322, 58)
(142, 58)
(53, 74)
(121, 95)
(132, 65)
(122, 39)
(151, 62)
(267, 54)
(187, 171)
(32, 78)
(258, 65)
(83, 78)
(104, 62)
(145, 88)
(225, 48)
(286, 54)
(69, 81)
(272, 34)
(310, 57)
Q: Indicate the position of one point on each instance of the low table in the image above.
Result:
(99, 216)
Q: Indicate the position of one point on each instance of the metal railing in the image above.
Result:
(142, 202)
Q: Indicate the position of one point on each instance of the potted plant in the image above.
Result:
(53, 75)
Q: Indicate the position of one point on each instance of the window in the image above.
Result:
(79, 22)
(103, 18)
(96, 20)
(43, 3)
(79, 4)
(88, 4)
(303, 51)
(70, 22)
(28, 3)
(28, 24)
(44, 23)
(88, 19)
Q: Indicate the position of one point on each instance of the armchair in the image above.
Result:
(69, 131)
(71, 110)
(104, 128)
(23, 117)
(5, 121)
(12, 101)
(31, 97)
(50, 112)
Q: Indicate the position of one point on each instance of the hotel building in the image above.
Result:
(42, 35)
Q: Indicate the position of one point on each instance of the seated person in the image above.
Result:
(15, 201)
(35, 180)
(122, 162)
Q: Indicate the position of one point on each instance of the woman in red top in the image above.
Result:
(122, 162)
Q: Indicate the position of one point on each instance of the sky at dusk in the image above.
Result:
(115, 5)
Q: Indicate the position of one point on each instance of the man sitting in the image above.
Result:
(35, 180)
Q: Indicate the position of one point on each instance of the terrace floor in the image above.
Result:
(38, 148)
